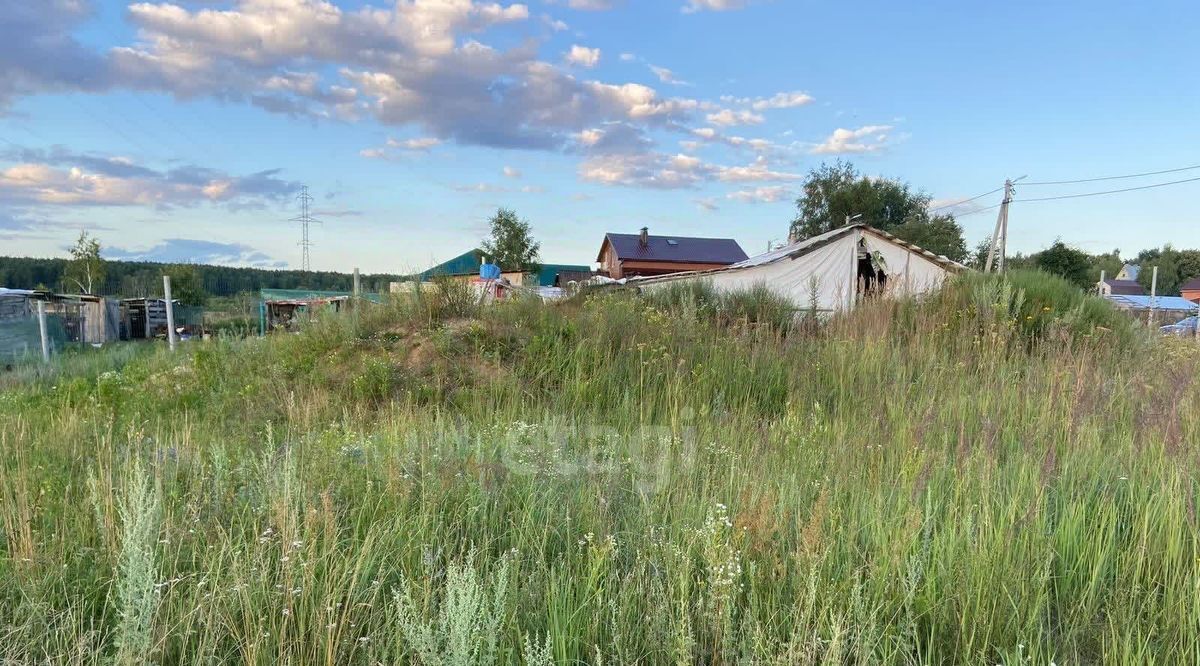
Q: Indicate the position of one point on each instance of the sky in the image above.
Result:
(183, 131)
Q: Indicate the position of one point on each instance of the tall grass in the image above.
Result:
(615, 480)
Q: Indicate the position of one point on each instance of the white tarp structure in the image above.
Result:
(825, 270)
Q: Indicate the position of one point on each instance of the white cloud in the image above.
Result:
(765, 194)
(58, 177)
(759, 171)
(711, 135)
(412, 63)
(590, 5)
(423, 143)
(555, 24)
(667, 76)
(694, 6)
(708, 204)
(419, 65)
(866, 139)
(393, 146)
(480, 187)
(661, 171)
(728, 117)
(492, 188)
(783, 100)
(582, 56)
(511, 172)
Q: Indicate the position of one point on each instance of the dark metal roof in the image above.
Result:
(676, 248)
(1125, 287)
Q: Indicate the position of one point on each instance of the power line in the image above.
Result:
(978, 210)
(1132, 175)
(959, 203)
(1096, 194)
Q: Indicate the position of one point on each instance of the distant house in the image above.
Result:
(629, 255)
(466, 267)
(1118, 287)
(1129, 272)
(829, 272)
(1191, 290)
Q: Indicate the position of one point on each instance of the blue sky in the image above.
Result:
(182, 131)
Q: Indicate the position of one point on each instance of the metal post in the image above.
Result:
(41, 314)
(170, 312)
(357, 285)
(1153, 297)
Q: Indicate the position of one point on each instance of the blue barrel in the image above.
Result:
(489, 272)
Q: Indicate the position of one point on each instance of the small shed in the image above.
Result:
(831, 271)
(287, 308)
(143, 318)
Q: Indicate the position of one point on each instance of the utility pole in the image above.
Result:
(305, 218)
(1000, 235)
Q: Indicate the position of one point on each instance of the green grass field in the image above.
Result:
(1004, 474)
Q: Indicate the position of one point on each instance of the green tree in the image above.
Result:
(835, 192)
(1110, 264)
(1067, 262)
(1166, 259)
(187, 286)
(85, 270)
(511, 244)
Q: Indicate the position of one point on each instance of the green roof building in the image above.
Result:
(468, 263)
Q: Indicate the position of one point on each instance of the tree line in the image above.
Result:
(192, 284)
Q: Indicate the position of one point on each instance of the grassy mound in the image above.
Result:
(972, 479)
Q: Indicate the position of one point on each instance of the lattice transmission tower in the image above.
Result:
(305, 219)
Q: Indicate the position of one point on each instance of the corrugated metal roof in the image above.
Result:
(683, 249)
(1171, 303)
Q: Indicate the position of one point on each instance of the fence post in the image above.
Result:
(170, 312)
(357, 285)
(45, 334)
(1153, 298)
